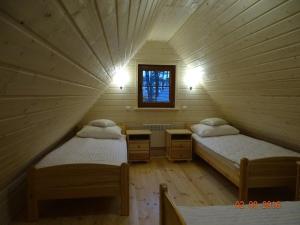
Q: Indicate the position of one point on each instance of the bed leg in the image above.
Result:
(124, 189)
(32, 209)
(162, 190)
(292, 189)
(32, 202)
(297, 191)
(243, 187)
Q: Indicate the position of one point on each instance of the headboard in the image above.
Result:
(123, 127)
(188, 125)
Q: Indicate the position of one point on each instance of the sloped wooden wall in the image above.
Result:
(56, 58)
(249, 51)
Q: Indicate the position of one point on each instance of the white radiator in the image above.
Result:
(158, 133)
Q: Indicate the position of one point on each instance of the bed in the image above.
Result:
(283, 213)
(81, 168)
(248, 162)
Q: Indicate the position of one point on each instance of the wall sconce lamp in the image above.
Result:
(121, 77)
(193, 77)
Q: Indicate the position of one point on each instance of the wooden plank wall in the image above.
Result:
(56, 58)
(249, 51)
(112, 104)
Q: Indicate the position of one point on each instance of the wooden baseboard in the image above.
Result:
(157, 151)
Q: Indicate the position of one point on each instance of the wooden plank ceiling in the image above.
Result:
(249, 52)
(56, 58)
(171, 17)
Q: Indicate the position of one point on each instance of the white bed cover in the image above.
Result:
(236, 147)
(287, 214)
(87, 150)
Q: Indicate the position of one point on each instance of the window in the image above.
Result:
(156, 86)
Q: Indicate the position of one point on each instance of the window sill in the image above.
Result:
(156, 109)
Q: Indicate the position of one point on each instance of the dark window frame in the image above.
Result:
(171, 103)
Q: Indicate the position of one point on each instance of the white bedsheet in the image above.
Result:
(87, 150)
(287, 214)
(236, 147)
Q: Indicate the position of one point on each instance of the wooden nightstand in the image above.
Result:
(298, 182)
(179, 144)
(138, 142)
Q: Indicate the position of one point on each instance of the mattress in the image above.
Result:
(87, 151)
(236, 147)
(287, 214)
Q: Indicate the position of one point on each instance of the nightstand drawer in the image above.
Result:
(181, 144)
(138, 155)
(178, 153)
(138, 145)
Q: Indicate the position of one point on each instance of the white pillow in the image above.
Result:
(100, 132)
(214, 121)
(102, 123)
(211, 131)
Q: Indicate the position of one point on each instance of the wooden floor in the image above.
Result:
(190, 183)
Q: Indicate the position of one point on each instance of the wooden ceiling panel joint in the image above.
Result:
(37, 38)
(96, 5)
(74, 24)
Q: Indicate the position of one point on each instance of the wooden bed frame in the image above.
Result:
(267, 172)
(168, 214)
(77, 181)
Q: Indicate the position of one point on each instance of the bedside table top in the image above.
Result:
(138, 132)
(178, 131)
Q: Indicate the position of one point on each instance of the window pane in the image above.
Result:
(156, 86)
(153, 94)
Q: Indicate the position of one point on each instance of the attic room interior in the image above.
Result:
(149, 112)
